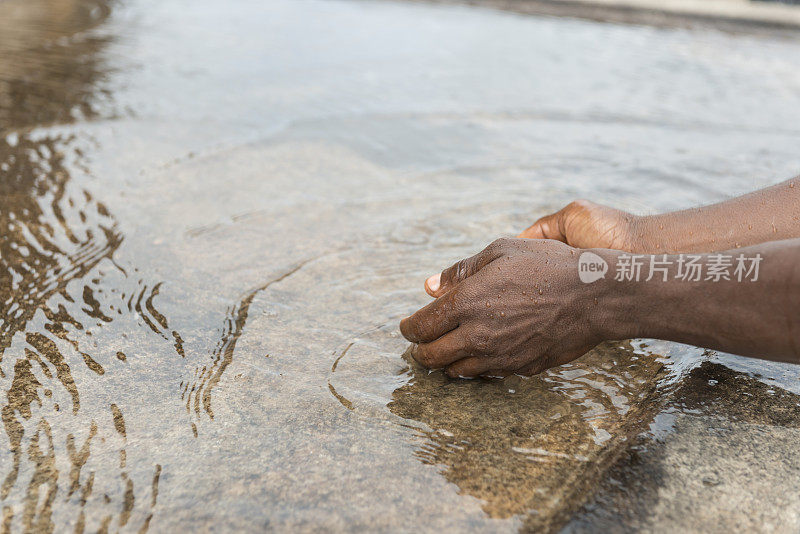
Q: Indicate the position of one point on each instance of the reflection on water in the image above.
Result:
(529, 445)
(64, 296)
(59, 283)
(525, 447)
(57, 260)
(43, 250)
(50, 67)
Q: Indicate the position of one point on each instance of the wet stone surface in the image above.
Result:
(214, 216)
(718, 458)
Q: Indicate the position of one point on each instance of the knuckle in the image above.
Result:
(455, 273)
(452, 308)
(541, 364)
(453, 371)
(530, 369)
(500, 245)
(479, 340)
(423, 356)
(450, 372)
(423, 329)
(463, 268)
(412, 328)
(459, 370)
(509, 362)
(579, 204)
(461, 301)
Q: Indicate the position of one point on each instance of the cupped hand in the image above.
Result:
(516, 307)
(584, 224)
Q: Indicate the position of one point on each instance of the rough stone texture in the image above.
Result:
(721, 458)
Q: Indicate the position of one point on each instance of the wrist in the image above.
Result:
(613, 307)
(699, 299)
(659, 297)
(648, 235)
(644, 305)
(672, 233)
(636, 226)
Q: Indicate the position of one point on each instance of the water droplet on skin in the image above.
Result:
(540, 291)
(660, 226)
(749, 226)
(502, 314)
(488, 304)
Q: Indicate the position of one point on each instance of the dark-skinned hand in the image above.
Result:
(516, 307)
(585, 224)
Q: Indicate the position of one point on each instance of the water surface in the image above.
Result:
(215, 216)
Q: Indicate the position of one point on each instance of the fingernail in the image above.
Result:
(433, 282)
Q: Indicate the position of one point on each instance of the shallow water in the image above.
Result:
(217, 214)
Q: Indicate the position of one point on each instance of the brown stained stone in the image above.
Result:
(538, 450)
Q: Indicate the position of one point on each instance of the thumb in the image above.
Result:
(548, 227)
(439, 284)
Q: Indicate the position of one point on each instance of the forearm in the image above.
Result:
(765, 215)
(749, 317)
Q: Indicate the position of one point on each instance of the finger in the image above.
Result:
(534, 368)
(548, 227)
(496, 373)
(443, 351)
(469, 367)
(542, 363)
(431, 322)
(439, 284)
